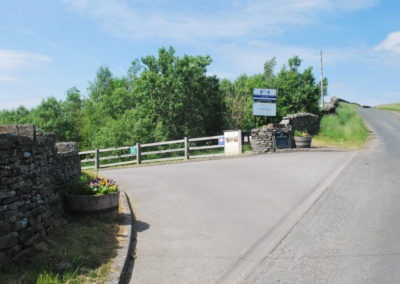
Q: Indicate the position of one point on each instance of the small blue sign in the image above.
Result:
(221, 141)
(132, 150)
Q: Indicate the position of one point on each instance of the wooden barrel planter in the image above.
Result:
(303, 142)
(94, 205)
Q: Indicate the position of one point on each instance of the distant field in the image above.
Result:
(346, 129)
(393, 107)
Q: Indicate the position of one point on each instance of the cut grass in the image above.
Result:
(392, 107)
(79, 252)
(346, 129)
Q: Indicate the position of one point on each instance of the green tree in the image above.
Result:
(72, 113)
(297, 91)
(238, 98)
(177, 96)
(50, 118)
(21, 115)
(269, 68)
(163, 97)
(167, 97)
(108, 98)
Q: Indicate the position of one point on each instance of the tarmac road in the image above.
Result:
(215, 221)
(352, 234)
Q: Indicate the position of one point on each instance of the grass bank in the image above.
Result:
(79, 252)
(346, 129)
(392, 107)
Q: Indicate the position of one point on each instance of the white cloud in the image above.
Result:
(146, 20)
(390, 44)
(14, 59)
(4, 78)
(13, 101)
(250, 59)
(355, 5)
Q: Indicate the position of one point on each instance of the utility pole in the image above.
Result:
(322, 83)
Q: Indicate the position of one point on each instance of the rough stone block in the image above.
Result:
(7, 215)
(25, 141)
(7, 141)
(9, 200)
(15, 205)
(20, 185)
(66, 147)
(7, 193)
(31, 241)
(9, 129)
(5, 227)
(15, 250)
(3, 259)
(9, 240)
(27, 130)
(21, 224)
(27, 233)
(50, 139)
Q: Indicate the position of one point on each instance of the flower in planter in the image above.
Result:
(87, 185)
(303, 133)
(102, 186)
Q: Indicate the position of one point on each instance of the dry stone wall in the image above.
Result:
(33, 172)
(264, 140)
(302, 121)
(267, 139)
(330, 107)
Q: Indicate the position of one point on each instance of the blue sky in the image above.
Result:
(49, 46)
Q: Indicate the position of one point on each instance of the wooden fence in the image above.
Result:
(152, 152)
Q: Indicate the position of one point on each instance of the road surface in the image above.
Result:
(214, 221)
(352, 234)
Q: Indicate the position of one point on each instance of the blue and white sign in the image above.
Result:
(221, 141)
(133, 150)
(264, 95)
(264, 102)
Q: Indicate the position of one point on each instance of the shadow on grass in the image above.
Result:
(78, 252)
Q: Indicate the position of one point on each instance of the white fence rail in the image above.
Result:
(151, 152)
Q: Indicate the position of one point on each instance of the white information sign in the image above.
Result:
(264, 109)
(233, 142)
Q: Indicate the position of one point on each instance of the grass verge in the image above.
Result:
(392, 107)
(346, 129)
(79, 252)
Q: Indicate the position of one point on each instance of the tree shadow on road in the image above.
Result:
(137, 227)
(141, 226)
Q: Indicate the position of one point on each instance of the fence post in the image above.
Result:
(186, 148)
(96, 158)
(138, 160)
